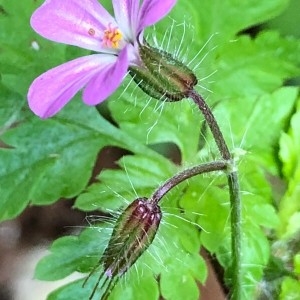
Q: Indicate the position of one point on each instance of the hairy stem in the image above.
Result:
(236, 234)
(234, 191)
(188, 173)
(212, 123)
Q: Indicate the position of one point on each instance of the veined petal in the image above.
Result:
(51, 91)
(154, 10)
(104, 83)
(73, 22)
(126, 14)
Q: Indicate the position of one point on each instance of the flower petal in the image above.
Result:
(126, 14)
(51, 91)
(154, 10)
(104, 83)
(79, 23)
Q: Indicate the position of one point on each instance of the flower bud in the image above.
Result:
(132, 235)
(161, 76)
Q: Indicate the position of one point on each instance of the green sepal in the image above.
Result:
(162, 76)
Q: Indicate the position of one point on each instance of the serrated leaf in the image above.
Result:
(251, 67)
(257, 212)
(188, 287)
(118, 186)
(142, 286)
(71, 253)
(249, 130)
(159, 122)
(122, 291)
(51, 159)
(256, 252)
(71, 291)
(230, 17)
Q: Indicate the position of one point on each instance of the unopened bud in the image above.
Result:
(161, 76)
(134, 232)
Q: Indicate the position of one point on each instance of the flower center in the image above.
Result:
(112, 37)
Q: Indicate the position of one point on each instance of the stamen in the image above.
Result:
(112, 37)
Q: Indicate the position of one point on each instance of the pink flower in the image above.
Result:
(88, 25)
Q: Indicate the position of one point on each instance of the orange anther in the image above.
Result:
(112, 37)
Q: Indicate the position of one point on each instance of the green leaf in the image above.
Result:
(290, 289)
(297, 263)
(54, 158)
(286, 23)
(142, 286)
(251, 67)
(118, 186)
(23, 53)
(11, 104)
(230, 17)
(289, 207)
(188, 287)
(257, 129)
(72, 290)
(290, 146)
(47, 160)
(256, 252)
(71, 253)
(153, 122)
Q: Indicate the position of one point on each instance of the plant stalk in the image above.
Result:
(218, 165)
(234, 192)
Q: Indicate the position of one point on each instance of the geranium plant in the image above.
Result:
(243, 121)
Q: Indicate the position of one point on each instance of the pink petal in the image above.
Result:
(73, 22)
(126, 14)
(154, 10)
(51, 91)
(104, 83)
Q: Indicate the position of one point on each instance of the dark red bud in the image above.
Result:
(134, 231)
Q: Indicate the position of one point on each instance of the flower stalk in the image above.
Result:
(219, 165)
(212, 123)
(163, 77)
(234, 192)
